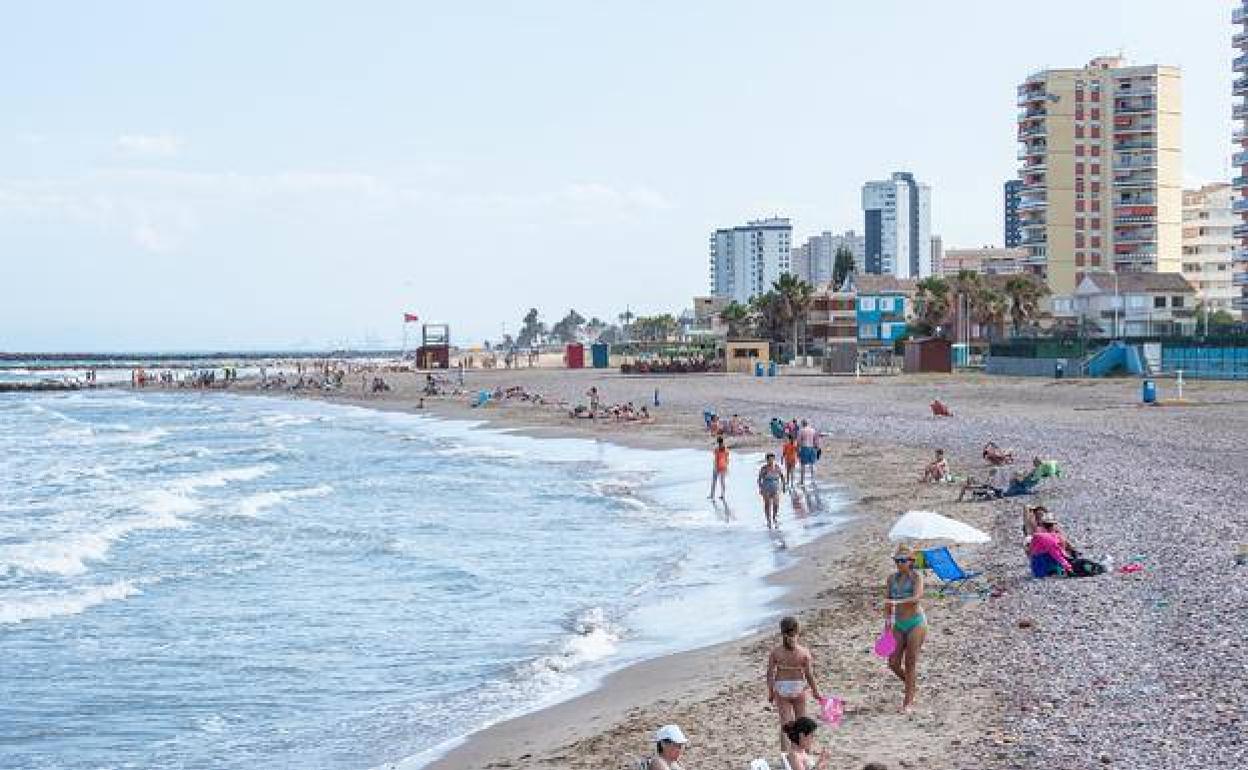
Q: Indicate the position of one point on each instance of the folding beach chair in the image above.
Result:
(952, 577)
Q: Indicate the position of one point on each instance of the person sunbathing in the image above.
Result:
(939, 409)
(995, 455)
(1018, 484)
(937, 470)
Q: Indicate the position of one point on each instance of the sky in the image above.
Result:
(242, 175)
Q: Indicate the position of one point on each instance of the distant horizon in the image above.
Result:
(340, 168)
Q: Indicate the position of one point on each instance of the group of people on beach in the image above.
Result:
(800, 447)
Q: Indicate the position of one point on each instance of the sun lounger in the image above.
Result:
(952, 577)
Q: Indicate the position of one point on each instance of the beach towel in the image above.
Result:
(831, 709)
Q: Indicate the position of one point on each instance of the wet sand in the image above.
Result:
(1144, 670)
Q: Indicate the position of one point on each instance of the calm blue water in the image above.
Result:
(212, 581)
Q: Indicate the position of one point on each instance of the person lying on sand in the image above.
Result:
(937, 470)
(803, 753)
(1018, 484)
(939, 409)
(995, 455)
(670, 742)
(790, 676)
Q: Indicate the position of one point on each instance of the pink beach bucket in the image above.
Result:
(887, 643)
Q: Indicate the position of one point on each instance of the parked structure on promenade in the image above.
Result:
(1101, 171)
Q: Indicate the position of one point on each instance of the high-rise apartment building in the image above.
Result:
(1013, 228)
(1101, 170)
(747, 259)
(1239, 17)
(938, 254)
(1208, 246)
(898, 217)
(815, 260)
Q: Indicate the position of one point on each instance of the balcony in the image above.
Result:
(1240, 205)
(1135, 181)
(1240, 158)
(1240, 87)
(1239, 15)
(1138, 236)
(1239, 279)
(1134, 108)
(1134, 220)
(1036, 129)
(1240, 182)
(1034, 151)
(1146, 202)
(1239, 135)
(1240, 112)
(1033, 203)
(1240, 64)
(1034, 240)
(1240, 39)
(1135, 145)
(1135, 162)
(1130, 129)
(1240, 231)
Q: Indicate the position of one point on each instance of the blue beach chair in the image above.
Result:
(952, 577)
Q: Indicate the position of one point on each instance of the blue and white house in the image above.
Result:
(884, 305)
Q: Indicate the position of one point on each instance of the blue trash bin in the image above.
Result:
(1150, 392)
(758, 368)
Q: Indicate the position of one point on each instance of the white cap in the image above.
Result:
(671, 733)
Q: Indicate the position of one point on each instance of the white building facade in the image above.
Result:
(1209, 246)
(897, 214)
(815, 261)
(747, 259)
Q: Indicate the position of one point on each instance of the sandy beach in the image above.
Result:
(1146, 670)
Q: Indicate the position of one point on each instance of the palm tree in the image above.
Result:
(1024, 294)
(932, 302)
(626, 318)
(737, 316)
(794, 297)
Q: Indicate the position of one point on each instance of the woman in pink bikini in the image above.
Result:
(790, 674)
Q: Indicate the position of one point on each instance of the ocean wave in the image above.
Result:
(254, 504)
(44, 605)
(69, 555)
(221, 477)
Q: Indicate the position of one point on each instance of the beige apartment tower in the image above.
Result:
(1102, 177)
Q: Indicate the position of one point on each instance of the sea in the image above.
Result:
(205, 580)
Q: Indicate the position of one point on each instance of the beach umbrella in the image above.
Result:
(929, 525)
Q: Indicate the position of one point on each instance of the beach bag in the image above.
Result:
(831, 709)
(1081, 567)
(886, 645)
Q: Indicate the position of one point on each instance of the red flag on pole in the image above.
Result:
(410, 317)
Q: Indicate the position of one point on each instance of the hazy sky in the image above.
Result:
(252, 174)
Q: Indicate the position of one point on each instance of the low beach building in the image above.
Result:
(1130, 305)
(884, 305)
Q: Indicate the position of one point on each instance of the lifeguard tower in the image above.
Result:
(435, 347)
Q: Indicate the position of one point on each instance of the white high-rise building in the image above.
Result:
(747, 259)
(815, 261)
(898, 217)
(1209, 247)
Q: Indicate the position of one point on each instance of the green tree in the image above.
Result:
(1025, 294)
(626, 320)
(532, 329)
(932, 303)
(795, 296)
(738, 317)
(568, 328)
(842, 267)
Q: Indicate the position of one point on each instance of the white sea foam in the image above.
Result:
(68, 555)
(220, 477)
(254, 504)
(51, 604)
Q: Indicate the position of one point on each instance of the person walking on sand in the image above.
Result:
(790, 675)
(719, 470)
(905, 590)
(789, 451)
(808, 449)
(770, 480)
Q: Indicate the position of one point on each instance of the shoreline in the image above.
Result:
(1078, 673)
(611, 706)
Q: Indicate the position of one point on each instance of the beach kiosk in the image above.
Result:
(435, 347)
(742, 355)
(928, 354)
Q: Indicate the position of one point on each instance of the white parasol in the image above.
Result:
(929, 525)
